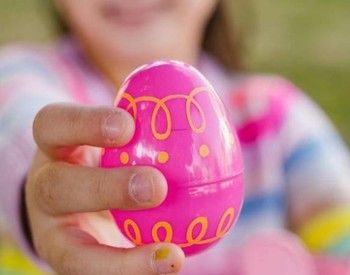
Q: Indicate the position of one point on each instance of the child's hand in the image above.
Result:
(63, 184)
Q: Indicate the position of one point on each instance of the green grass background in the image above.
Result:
(306, 41)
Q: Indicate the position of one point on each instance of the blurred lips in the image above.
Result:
(131, 14)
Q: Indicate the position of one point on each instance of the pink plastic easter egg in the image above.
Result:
(182, 129)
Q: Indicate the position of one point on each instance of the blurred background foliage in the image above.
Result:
(307, 41)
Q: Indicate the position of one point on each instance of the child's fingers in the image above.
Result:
(62, 188)
(72, 251)
(58, 128)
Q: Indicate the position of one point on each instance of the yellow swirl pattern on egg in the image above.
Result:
(168, 229)
(161, 105)
(223, 227)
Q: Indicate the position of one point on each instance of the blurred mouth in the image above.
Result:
(131, 14)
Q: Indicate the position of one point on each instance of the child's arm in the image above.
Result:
(317, 167)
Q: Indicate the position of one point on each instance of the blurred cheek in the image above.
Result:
(81, 16)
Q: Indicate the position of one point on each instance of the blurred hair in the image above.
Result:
(222, 38)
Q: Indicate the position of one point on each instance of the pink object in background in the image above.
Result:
(282, 252)
(278, 252)
(332, 265)
(182, 129)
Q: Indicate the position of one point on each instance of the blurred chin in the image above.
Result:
(139, 50)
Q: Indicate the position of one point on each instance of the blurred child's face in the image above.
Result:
(138, 31)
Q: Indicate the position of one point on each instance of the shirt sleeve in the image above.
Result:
(301, 157)
(26, 85)
(317, 170)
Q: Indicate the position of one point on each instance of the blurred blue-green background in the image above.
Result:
(306, 41)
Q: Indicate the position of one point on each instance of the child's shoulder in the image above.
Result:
(261, 102)
(262, 87)
(23, 50)
(18, 57)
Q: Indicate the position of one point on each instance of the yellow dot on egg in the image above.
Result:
(163, 157)
(124, 158)
(204, 150)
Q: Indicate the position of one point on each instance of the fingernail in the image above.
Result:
(164, 262)
(141, 188)
(114, 126)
